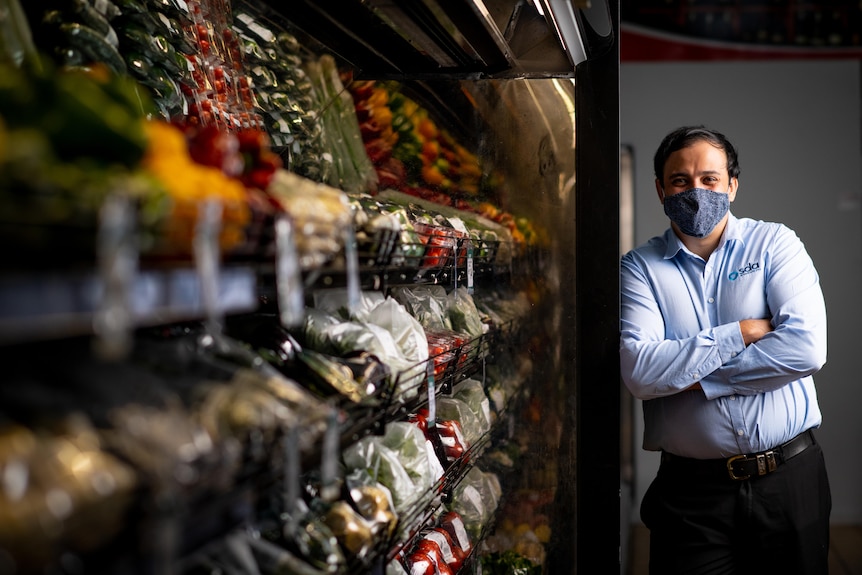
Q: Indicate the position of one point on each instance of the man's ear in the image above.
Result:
(660, 191)
(734, 185)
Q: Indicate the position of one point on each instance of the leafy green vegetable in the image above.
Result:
(509, 563)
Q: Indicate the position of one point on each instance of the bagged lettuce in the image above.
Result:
(384, 466)
(476, 498)
(463, 313)
(406, 331)
(451, 408)
(471, 392)
(415, 453)
(428, 304)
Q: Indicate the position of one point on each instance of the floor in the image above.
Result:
(845, 555)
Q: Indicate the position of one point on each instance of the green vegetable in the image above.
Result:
(106, 8)
(508, 563)
(82, 118)
(81, 12)
(93, 45)
(154, 47)
(354, 171)
(139, 65)
(130, 6)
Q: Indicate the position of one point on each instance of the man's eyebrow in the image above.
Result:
(701, 173)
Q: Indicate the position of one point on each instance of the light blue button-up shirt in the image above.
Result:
(680, 325)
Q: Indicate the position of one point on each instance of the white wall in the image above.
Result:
(797, 128)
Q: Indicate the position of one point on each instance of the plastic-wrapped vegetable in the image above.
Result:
(455, 409)
(452, 441)
(452, 523)
(428, 304)
(384, 466)
(432, 550)
(451, 554)
(75, 34)
(319, 372)
(419, 563)
(472, 393)
(406, 331)
(350, 529)
(383, 327)
(444, 435)
(293, 541)
(336, 302)
(254, 404)
(353, 171)
(408, 441)
(320, 214)
(344, 338)
(374, 503)
(447, 349)
(475, 499)
(60, 491)
(385, 233)
(157, 49)
(395, 567)
(284, 95)
(463, 313)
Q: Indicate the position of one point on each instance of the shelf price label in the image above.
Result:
(288, 277)
(330, 455)
(469, 267)
(207, 257)
(354, 295)
(118, 268)
(432, 393)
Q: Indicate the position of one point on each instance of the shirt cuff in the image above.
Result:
(729, 342)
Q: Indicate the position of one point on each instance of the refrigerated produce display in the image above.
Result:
(278, 298)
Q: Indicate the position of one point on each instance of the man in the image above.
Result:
(723, 324)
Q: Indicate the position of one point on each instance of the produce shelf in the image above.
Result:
(52, 305)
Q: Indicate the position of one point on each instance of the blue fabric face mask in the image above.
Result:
(696, 211)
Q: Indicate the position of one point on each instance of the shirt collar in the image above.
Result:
(673, 245)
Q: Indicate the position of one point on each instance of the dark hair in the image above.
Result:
(685, 137)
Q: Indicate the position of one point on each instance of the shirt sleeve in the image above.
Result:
(796, 348)
(653, 366)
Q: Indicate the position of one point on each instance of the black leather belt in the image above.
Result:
(741, 467)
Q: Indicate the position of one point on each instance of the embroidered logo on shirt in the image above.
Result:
(750, 268)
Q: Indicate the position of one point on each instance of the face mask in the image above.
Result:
(696, 211)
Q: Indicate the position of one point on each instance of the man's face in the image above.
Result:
(700, 165)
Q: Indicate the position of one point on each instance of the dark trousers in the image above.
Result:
(712, 525)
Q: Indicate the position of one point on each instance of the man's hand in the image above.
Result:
(754, 329)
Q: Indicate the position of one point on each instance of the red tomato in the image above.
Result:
(454, 558)
(420, 564)
(432, 549)
(452, 523)
(420, 419)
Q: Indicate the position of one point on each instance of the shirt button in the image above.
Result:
(732, 398)
(711, 300)
(740, 432)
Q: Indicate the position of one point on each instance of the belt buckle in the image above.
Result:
(766, 463)
(730, 471)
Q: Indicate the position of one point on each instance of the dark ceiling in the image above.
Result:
(778, 23)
